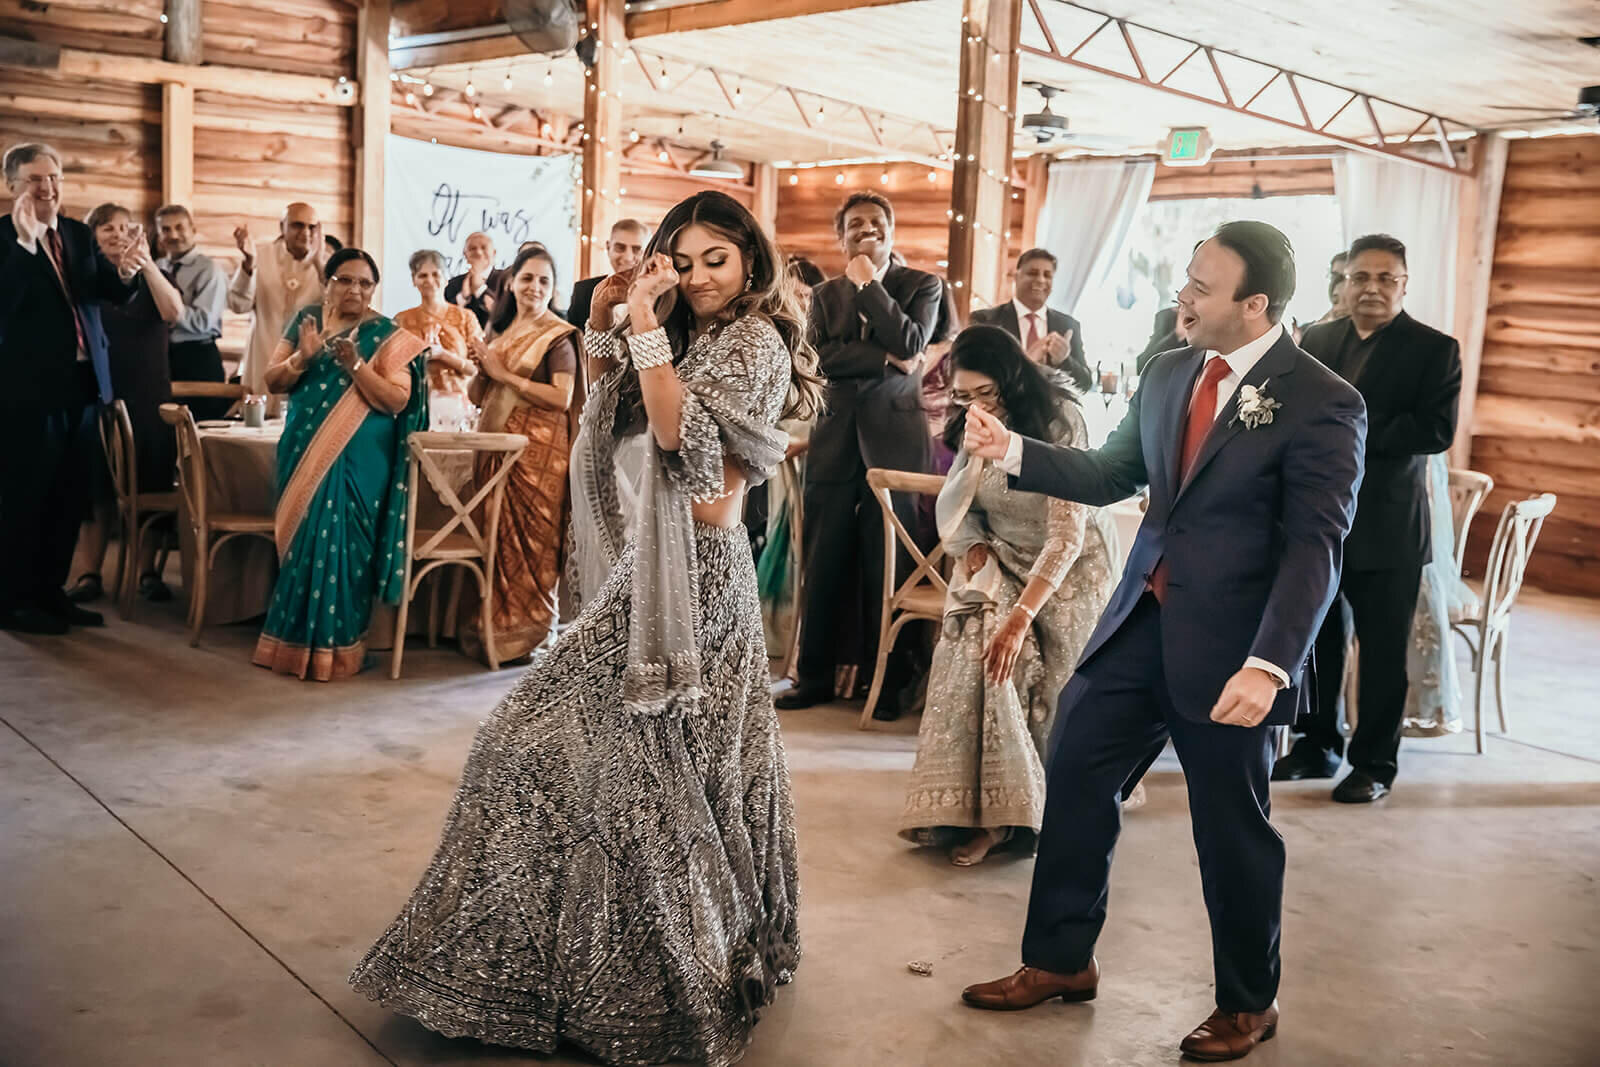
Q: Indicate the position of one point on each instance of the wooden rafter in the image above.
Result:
(1440, 153)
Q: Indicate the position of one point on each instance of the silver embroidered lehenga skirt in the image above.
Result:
(623, 883)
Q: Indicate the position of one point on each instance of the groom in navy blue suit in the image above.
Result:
(1253, 453)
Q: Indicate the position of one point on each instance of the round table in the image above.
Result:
(242, 476)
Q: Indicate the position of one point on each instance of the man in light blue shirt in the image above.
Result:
(192, 351)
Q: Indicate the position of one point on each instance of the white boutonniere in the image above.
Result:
(1255, 407)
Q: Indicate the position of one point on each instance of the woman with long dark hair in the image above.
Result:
(526, 384)
(618, 868)
(1032, 575)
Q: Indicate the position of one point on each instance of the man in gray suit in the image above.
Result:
(1052, 338)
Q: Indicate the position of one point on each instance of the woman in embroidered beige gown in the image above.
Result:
(618, 869)
(1032, 575)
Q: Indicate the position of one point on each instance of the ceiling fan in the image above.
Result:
(1046, 129)
(1588, 108)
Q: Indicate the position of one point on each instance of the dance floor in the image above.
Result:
(193, 853)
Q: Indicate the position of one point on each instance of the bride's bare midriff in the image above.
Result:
(728, 510)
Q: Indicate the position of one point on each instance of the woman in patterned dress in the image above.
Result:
(618, 868)
(1032, 575)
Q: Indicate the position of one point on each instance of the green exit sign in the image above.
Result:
(1189, 147)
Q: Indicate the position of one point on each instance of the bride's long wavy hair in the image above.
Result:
(771, 293)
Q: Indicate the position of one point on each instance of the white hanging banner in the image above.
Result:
(436, 195)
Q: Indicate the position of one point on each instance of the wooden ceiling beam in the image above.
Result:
(425, 28)
(137, 70)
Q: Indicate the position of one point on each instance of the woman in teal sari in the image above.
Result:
(357, 389)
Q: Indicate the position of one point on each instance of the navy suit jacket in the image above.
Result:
(1252, 538)
(38, 341)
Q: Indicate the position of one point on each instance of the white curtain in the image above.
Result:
(1416, 204)
(1088, 208)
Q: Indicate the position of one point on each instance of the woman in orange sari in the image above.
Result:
(448, 330)
(526, 384)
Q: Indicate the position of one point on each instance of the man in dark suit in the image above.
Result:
(870, 328)
(478, 288)
(625, 249)
(1410, 377)
(51, 272)
(1252, 452)
(1049, 337)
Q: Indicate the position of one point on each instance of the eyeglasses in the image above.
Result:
(1386, 281)
(961, 398)
(364, 284)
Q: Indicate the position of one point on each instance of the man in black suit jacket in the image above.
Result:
(1252, 453)
(625, 249)
(1410, 377)
(51, 272)
(870, 328)
(1051, 337)
(480, 286)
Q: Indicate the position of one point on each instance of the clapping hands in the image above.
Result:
(310, 337)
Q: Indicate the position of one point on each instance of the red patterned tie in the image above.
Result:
(57, 255)
(1033, 330)
(1196, 424)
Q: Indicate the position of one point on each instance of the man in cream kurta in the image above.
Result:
(286, 277)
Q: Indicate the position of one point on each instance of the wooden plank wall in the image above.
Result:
(1537, 427)
(1262, 173)
(292, 36)
(809, 196)
(125, 28)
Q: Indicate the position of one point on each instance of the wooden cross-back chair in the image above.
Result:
(1468, 490)
(137, 511)
(460, 541)
(1486, 623)
(921, 595)
(192, 390)
(212, 530)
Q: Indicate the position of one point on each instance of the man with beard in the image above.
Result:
(870, 328)
(273, 285)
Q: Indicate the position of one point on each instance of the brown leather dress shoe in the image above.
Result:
(1031, 986)
(1231, 1035)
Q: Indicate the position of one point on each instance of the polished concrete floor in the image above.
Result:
(194, 852)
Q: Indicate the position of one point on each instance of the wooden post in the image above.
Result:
(183, 33)
(177, 144)
(980, 196)
(1038, 176)
(766, 199)
(1479, 215)
(372, 123)
(602, 136)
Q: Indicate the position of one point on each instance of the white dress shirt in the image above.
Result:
(1042, 320)
(1240, 362)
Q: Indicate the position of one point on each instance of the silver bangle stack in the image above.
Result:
(649, 350)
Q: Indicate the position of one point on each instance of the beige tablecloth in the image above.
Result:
(242, 476)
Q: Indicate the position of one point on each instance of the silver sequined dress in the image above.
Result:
(622, 882)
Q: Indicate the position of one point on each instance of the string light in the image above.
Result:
(549, 75)
(933, 175)
(884, 178)
(820, 114)
(471, 90)
(411, 99)
(665, 80)
(794, 179)
(633, 135)
(838, 179)
(508, 81)
(663, 156)
(427, 88)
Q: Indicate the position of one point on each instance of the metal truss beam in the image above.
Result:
(1434, 148)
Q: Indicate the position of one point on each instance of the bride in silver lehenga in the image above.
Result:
(618, 869)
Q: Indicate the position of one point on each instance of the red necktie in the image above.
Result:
(1033, 329)
(57, 255)
(1196, 424)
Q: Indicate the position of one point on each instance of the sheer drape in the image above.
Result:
(1089, 205)
(1417, 205)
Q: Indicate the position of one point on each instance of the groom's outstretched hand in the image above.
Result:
(1247, 698)
(985, 435)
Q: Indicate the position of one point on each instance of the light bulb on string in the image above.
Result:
(471, 90)
(838, 179)
(411, 99)
(549, 75)
(665, 79)
(508, 81)
(663, 156)
(633, 135)
(821, 114)
(794, 179)
(883, 179)
(427, 88)
(477, 112)
(933, 175)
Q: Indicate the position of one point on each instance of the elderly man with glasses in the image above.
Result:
(1410, 376)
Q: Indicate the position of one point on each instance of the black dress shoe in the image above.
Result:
(153, 589)
(802, 696)
(70, 613)
(1360, 787)
(33, 621)
(1305, 761)
(89, 587)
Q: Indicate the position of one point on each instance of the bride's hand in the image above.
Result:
(1000, 658)
(985, 435)
(655, 278)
